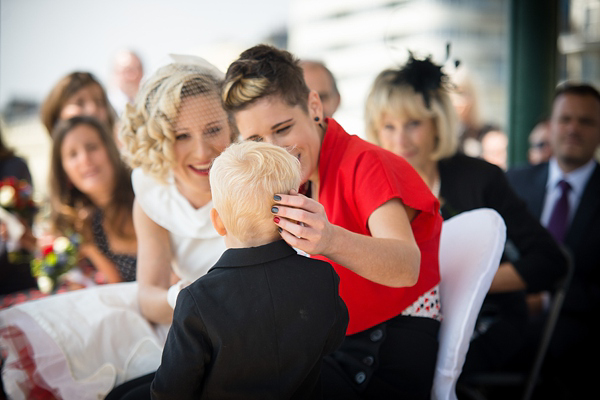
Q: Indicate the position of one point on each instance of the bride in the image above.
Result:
(82, 344)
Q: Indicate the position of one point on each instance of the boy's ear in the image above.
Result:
(217, 223)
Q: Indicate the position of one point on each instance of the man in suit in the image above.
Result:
(564, 194)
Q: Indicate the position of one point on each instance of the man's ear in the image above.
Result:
(217, 223)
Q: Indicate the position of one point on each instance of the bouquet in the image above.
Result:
(54, 260)
(16, 197)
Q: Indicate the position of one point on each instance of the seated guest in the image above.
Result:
(91, 194)
(321, 80)
(78, 93)
(287, 305)
(466, 99)
(494, 147)
(409, 112)
(127, 72)
(540, 150)
(564, 194)
(15, 272)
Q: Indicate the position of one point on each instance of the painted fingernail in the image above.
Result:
(277, 197)
(274, 210)
(276, 219)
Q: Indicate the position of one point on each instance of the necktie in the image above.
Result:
(558, 219)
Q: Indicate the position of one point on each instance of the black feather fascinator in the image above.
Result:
(424, 76)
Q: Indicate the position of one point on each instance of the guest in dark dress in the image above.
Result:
(78, 93)
(91, 194)
(15, 274)
(409, 112)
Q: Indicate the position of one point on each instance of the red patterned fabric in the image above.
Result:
(34, 386)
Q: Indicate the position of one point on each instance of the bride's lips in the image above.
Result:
(200, 170)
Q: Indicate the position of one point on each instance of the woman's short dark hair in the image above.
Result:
(264, 71)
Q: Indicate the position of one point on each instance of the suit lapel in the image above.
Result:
(589, 204)
(538, 192)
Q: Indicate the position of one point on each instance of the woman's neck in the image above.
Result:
(431, 175)
(197, 198)
(101, 200)
(314, 178)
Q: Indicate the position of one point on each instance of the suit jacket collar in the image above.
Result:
(538, 192)
(254, 255)
(589, 204)
(578, 178)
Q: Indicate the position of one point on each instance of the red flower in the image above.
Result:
(46, 250)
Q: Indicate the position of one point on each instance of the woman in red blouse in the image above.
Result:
(363, 209)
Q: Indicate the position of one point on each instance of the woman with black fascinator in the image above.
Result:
(409, 112)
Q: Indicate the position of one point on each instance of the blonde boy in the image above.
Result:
(258, 325)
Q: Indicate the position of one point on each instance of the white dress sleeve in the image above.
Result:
(196, 244)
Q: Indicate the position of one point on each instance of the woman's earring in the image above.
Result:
(317, 119)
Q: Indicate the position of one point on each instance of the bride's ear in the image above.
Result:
(215, 218)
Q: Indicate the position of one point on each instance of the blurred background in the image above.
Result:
(514, 53)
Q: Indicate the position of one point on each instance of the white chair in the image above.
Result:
(471, 246)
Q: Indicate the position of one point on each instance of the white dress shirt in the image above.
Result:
(577, 179)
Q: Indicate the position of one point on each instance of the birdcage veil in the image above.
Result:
(178, 99)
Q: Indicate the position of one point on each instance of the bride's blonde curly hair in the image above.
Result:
(147, 126)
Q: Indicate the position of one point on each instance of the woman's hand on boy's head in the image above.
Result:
(303, 223)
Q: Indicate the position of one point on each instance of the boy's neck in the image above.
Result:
(233, 243)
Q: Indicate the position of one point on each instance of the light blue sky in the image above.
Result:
(43, 40)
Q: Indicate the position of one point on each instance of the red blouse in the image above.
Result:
(357, 177)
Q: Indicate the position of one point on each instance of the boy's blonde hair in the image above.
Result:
(243, 180)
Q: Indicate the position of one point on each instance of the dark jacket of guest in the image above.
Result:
(15, 167)
(255, 327)
(468, 183)
(582, 238)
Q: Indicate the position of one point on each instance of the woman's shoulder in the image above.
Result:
(466, 166)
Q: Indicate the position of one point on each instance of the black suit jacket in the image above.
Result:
(468, 183)
(255, 327)
(582, 238)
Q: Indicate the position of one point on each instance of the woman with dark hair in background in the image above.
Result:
(78, 93)
(91, 194)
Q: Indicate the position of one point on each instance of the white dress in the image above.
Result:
(79, 345)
